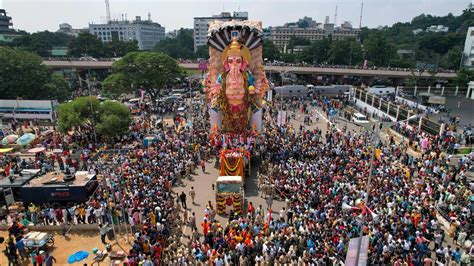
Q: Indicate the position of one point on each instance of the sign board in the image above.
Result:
(352, 251)
(8, 193)
(269, 95)
(203, 66)
(281, 118)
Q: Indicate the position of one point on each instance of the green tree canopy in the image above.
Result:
(86, 44)
(270, 51)
(110, 118)
(117, 48)
(41, 42)
(202, 52)
(23, 75)
(114, 119)
(181, 47)
(151, 71)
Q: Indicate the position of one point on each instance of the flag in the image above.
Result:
(378, 154)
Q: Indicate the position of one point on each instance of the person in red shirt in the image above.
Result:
(39, 258)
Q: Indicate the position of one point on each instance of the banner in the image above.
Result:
(281, 118)
(352, 251)
(269, 95)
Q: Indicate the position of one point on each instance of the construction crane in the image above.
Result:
(107, 10)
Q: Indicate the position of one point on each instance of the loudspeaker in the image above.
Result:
(346, 207)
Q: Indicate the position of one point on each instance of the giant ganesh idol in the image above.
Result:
(236, 83)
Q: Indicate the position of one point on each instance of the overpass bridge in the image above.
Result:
(310, 70)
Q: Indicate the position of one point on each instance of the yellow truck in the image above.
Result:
(230, 194)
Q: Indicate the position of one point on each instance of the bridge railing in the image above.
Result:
(398, 111)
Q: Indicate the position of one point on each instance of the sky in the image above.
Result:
(39, 15)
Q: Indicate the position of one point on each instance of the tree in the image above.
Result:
(86, 44)
(42, 42)
(202, 52)
(59, 87)
(109, 118)
(151, 71)
(270, 51)
(114, 85)
(79, 113)
(117, 48)
(463, 77)
(114, 119)
(181, 47)
(345, 52)
(22, 75)
(378, 50)
(318, 52)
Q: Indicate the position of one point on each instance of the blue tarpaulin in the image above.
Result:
(78, 256)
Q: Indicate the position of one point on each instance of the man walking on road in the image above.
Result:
(103, 232)
(192, 193)
(203, 166)
(182, 197)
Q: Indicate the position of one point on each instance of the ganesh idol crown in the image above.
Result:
(235, 85)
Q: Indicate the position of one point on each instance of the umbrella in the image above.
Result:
(6, 150)
(25, 139)
(37, 150)
(9, 139)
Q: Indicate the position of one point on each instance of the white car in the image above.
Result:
(359, 118)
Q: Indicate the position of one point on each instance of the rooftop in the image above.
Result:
(57, 179)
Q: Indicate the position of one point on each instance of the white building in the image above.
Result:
(67, 29)
(281, 35)
(28, 109)
(201, 25)
(468, 53)
(146, 32)
(437, 28)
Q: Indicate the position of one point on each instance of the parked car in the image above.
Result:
(87, 58)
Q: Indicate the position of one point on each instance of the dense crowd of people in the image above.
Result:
(314, 172)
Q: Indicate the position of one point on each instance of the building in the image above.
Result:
(201, 25)
(7, 33)
(28, 109)
(417, 31)
(67, 29)
(405, 53)
(6, 25)
(281, 35)
(146, 32)
(172, 34)
(468, 53)
(437, 28)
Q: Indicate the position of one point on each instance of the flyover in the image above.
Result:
(381, 73)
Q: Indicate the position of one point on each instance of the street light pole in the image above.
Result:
(92, 108)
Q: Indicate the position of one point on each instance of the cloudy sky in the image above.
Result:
(38, 15)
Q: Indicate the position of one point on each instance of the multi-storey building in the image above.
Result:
(7, 33)
(5, 23)
(146, 32)
(468, 53)
(201, 25)
(281, 35)
(437, 28)
(67, 29)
